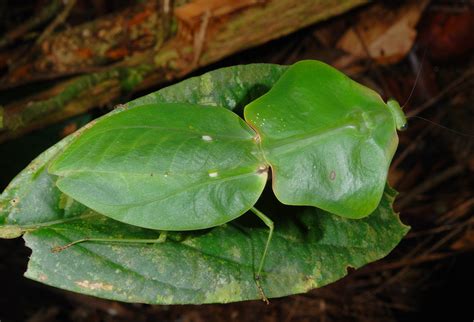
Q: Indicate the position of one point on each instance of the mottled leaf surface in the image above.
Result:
(310, 248)
(231, 87)
(328, 139)
(32, 198)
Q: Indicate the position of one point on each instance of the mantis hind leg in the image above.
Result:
(160, 239)
(267, 221)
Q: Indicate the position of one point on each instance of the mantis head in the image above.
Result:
(398, 115)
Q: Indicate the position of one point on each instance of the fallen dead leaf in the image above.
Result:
(384, 35)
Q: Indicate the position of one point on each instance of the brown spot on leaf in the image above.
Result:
(42, 277)
(14, 201)
(95, 285)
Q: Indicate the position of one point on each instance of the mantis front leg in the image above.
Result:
(160, 239)
(267, 221)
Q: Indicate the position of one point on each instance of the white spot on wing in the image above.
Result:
(207, 138)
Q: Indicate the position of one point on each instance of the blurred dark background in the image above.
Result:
(419, 52)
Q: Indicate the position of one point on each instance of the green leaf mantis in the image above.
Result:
(327, 140)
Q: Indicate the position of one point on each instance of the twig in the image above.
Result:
(45, 34)
(94, 45)
(411, 254)
(429, 184)
(414, 143)
(409, 262)
(428, 255)
(57, 21)
(465, 76)
(200, 37)
(458, 211)
(45, 14)
(445, 239)
(438, 230)
(410, 148)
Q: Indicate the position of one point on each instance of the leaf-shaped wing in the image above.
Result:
(328, 139)
(172, 166)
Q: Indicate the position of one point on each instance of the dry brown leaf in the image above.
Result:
(383, 34)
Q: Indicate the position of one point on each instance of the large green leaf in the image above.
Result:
(32, 198)
(328, 139)
(311, 248)
(172, 166)
(231, 87)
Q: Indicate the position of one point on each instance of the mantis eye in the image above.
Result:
(403, 127)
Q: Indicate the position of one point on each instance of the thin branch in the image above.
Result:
(46, 13)
(57, 21)
(430, 184)
(448, 89)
